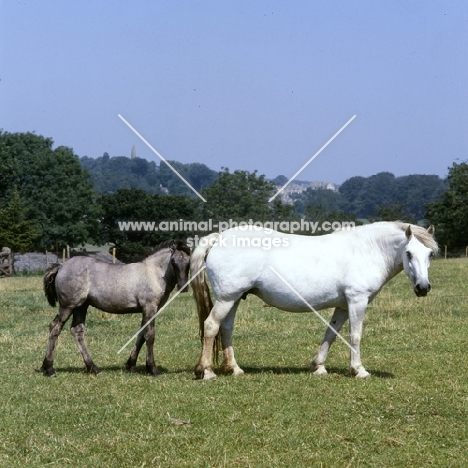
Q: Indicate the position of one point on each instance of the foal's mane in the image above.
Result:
(175, 244)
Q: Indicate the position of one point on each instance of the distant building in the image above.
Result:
(133, 156)
(300, 186)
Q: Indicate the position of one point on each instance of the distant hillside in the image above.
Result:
(108, 174)
(365, 197)
(371, 197)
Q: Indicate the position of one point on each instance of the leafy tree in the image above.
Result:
(328, 200)
(318, 214)
(53, 188)
(364, 195)
(17, 231)
(111, 174)
(450, 214)
(200, 175)
(351, 190)
(241, 196)
(394, 212)
(378, 190)
(138, 205)
(414, 192)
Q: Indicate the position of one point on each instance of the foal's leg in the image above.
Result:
(148, 335)
(78, 331)
(220, 311)
(149, 339)
(130, 365)
(338, 319)
(229, 364)
(357, 311)
(55, 327)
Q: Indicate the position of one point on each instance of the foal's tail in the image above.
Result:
(201, 291)
(49, 283)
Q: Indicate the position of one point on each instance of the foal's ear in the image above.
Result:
(408, 232)
(431, 230)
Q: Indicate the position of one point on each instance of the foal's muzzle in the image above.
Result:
(422, 289)
(183, 288)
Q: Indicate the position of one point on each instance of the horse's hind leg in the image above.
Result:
(78, 331)
(338, 319)
(55, 327)
(220, 311)
(229, 364)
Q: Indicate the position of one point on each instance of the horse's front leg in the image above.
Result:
(130, 365)
(149, 333)
(317, 366)
(357, 310)
(55, 327)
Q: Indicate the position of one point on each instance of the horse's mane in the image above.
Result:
(421, 233)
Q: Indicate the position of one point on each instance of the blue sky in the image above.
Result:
(253, 85)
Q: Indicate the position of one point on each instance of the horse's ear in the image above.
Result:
(431, 230)
(408, 232)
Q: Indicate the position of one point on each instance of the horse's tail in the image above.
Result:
(49, 283)
(201, 291)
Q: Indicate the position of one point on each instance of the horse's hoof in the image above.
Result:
(153, 370)
(360, 373)
(92, 369)
(237, 371)
(199, 371)
(49, 372)
(209, 375)
(319, 371)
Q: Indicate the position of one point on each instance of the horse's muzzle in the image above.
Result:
(422, 290)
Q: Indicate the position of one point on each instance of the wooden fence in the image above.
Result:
(6, 262)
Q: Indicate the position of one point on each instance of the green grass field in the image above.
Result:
(411, 413)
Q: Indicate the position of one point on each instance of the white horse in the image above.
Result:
(344, 270)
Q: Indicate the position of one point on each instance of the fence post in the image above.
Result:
(113, 254)
(445, 252)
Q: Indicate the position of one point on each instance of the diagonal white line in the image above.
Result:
(312, 309)
(159, 155)
(312, 158)
(161, 309)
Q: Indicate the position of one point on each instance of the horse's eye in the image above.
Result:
(431, 255)
(409, 255)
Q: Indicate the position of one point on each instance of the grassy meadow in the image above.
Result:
(411, 413)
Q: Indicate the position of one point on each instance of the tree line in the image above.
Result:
(50, 198)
